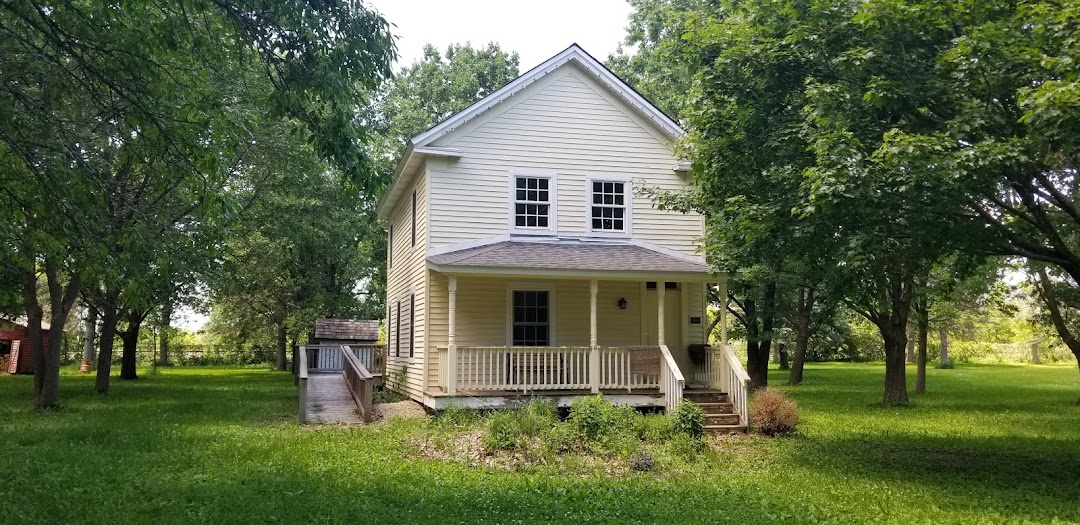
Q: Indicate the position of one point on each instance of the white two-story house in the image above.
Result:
(521, 261)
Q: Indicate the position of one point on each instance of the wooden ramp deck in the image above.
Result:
(329, 400)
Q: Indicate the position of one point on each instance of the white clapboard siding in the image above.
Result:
(568, 123)
(405, 276)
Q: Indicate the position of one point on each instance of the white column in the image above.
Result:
(451, 347)
(723, 312)
(594, 350)
(660, 288)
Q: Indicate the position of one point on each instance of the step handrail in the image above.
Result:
(359, 381)
(672, 381)
(301, 382)
(736, 383)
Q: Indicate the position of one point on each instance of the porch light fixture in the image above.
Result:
(622, 303)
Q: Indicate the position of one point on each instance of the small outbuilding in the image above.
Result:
(15, 355)
(345, 332)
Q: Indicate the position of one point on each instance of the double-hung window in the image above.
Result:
(609, 207)
(532, 197)
(532, 323)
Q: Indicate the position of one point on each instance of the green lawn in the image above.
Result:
(988, 444)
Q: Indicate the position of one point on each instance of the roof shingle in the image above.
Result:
(568, 256)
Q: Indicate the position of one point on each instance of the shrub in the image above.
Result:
(518, 429)
(589, 416)
(654, 428)
(685, 447)
(501, 434)
(689, 419)
(641, 461)
(605, 427)
(772, 413)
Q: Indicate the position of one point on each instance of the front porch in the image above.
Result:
(628, 339)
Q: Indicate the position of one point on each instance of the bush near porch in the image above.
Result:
(987, 444)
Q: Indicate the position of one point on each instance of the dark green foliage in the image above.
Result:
(689, 420)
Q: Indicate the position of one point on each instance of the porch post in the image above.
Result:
(594, 350)
(723, 312)
(451, 346)
(660, 286)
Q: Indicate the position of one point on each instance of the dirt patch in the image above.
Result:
(405, 409)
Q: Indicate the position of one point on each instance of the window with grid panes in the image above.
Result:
(531, 325)
(609, 201)
(532, 202)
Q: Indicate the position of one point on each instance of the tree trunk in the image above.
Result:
(895, 365)
(922, 328)
(1050, 300)
(893, 327)
(106, 341)
(776, 353)
(46, 357)
(759, 343)
(130, 338)
(166, 321)
(943, 338)
(802, 334)
(1035, 352)
(910, 349)
(282, 335)
(923, 325)
(784, 365)
(89, 334)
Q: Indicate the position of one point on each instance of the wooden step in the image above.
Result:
(706, 397)
(718, 430)
(717, 408)
(721, 419)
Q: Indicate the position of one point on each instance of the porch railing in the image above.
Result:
(722, 370)
(522, 368)
(615, 371)
(329, 358)
(526, 368)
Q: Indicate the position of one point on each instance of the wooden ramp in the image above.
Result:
(329, 400)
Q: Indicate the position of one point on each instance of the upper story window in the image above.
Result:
(609, 206)
(532, 201)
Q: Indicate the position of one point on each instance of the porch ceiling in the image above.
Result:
(573, 259)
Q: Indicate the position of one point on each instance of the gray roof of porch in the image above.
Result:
(568, 256)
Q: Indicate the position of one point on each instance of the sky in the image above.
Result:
(536, 30)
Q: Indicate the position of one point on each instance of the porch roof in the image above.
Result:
(570, 257)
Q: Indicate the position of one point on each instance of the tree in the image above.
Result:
(94, 97)
(433, 88)
(800, 151)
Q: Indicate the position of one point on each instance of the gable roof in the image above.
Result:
(420, 146)
(347, 329)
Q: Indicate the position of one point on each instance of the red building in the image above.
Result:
(15, 356)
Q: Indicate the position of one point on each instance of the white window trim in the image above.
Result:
(527, 286)
(553, 204)
(628, 221)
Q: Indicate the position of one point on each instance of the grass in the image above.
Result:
(987, 444)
